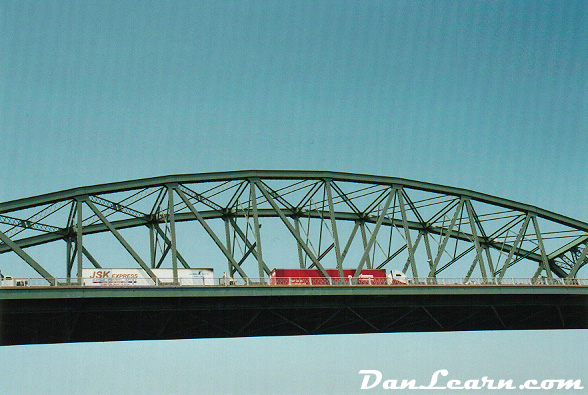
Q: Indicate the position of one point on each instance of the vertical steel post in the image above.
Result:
(407, 234)
(300, 254)
(428, 248)
(152, 245)
(334, 227)
(253, 198)
(79, 245)
(470, 211)
(172, 227)
(364, 240)
(544, 259)
(228, 240)
(68, 260)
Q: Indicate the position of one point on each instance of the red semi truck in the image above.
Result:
(315, 277)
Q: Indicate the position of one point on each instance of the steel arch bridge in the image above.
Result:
(246, 223)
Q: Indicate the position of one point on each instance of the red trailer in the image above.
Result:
(315, 277)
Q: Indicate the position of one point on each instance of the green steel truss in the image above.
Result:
(254, 221)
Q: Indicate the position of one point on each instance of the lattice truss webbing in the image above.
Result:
(246, 227)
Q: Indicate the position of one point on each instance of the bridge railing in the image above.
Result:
(284, 282)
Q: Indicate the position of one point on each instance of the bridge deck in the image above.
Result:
(60, 292)
(58, 314)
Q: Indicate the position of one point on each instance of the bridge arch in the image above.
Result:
(248, 222)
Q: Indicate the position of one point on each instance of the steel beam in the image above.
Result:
(300, 255)
(182, 217)
(172, 230)
(365, 243)
(91, 258)
(544, 260)
(248, 244)
(454, 259)
(394, 255)
(27, 258)
(579, 263)
(334, 228)
(26, 224)
(168, 243)
(200, 198)
(490, 263)
(368, 247)
(230, 247)
(292, 229)
(34, 201)
(256, 228)
(548, 261)
(345, 198)
(441, 249)
(428, 249)
(152, 246)
(515, 245)
(407, 233)
(413, 207)
(350, 240)
(479, 256)
(410, 262)
(121, 239)
(309, 195)
(562, 250)
(211, 233)
(79, 233)
(68, 260)
(121, 208)
(163, 255)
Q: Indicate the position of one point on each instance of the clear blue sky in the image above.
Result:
(485, 95)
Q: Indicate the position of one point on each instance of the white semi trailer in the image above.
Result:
(126, 277)
(13, 282)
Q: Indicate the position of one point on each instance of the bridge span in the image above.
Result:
(245, 224)
(75, 314)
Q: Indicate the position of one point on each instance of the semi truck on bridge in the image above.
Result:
(315, 277)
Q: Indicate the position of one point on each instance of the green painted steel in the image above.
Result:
(285, 175)
(273, 291)
(257, 195)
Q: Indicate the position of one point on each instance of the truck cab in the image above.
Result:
(396, 277)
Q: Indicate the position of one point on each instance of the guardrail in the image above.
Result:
(8, 282)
